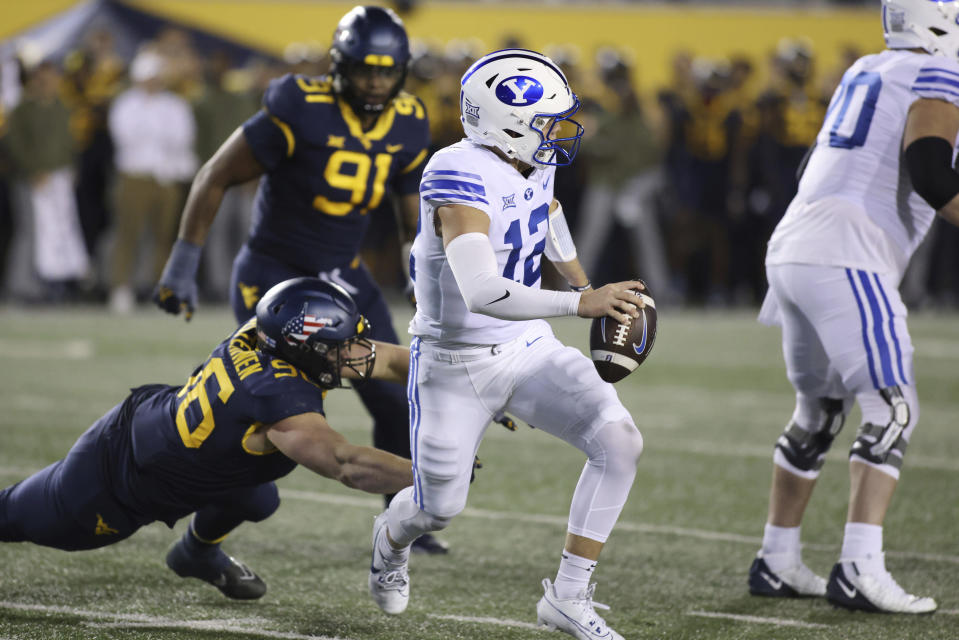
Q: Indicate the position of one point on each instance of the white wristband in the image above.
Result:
(473, 263)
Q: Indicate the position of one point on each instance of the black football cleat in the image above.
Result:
(430, 545)
(796, 582)
(233, 578)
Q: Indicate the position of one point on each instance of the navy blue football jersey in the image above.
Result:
(324, 174)
(190, 442)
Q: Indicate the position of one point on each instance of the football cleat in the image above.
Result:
(575, 616)
(796, 581)
(233, 578)
(851, 588)
(389, 583)
(430, 544)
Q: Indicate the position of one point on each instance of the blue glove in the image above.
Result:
(176, 290)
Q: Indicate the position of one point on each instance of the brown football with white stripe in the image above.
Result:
(617, 349)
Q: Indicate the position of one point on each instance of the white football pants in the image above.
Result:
(453, 396)
(844, 337)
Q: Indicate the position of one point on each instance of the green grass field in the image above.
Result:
(710, 402)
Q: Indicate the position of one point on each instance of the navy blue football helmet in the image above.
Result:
(315, 326)
(369, 41)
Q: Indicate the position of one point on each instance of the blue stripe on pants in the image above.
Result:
(885, 360)
(865, 335)
(413, 398)
(892, 330)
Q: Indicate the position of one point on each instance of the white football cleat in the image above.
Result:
(851, 587)
(575, 616)
(796, 580)
(389, 582)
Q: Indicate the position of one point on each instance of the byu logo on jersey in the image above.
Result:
(519, 91)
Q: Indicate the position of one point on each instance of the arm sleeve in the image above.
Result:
(929, 161)
(473, 263)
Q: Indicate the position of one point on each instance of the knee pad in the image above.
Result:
(883, 442)
(805, 449)
(617, 443)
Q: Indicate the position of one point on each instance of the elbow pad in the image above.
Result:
(929, 161)
(485, 291)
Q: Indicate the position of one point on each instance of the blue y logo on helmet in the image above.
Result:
(519, 91)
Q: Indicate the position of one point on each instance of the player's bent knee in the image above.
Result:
(882, 442)
(263, 503)
(802, 449)
(618, 444)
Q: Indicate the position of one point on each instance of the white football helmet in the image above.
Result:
(520, 102)
(932, 25)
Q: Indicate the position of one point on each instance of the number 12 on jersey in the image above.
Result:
(852, 110)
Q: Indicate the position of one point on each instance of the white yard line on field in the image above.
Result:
(495, 621)
(133, 620)
(622, 525)
(779, 622)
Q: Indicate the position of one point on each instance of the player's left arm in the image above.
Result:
(928, 142)
(309, 440)
(561, 251)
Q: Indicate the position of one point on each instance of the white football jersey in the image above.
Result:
(469, 174)
(855, 206)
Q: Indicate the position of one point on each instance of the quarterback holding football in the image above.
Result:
(480, 346)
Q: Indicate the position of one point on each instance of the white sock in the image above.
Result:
(573, 575)
(781, 541)
(391, 555)
(862, 542)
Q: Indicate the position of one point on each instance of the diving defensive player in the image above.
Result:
(214, 446)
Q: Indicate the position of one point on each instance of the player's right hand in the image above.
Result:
(615, 300)
(177, 289)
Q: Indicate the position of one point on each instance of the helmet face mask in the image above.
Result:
(930, 25)
(519, 102)
(370, 55)
(315, 326)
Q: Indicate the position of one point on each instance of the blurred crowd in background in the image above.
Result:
(680, 184)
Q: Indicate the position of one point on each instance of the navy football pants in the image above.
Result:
(385, 401)
(71, 504)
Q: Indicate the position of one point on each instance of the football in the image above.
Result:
(618, 349)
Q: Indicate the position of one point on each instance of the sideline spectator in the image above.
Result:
(624, 173)
(153, 133)
(43, 152)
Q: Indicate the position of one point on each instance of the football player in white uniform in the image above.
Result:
(880, 170)
(480, 345)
